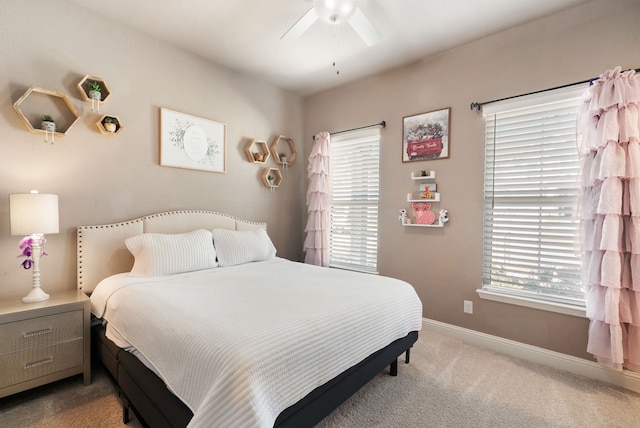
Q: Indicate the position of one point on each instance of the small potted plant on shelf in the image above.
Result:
(48, 124)
(110, 124)
(95, 91)
(270, 179)
(283, 157)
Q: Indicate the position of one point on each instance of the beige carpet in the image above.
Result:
(65, 404)
(453, 384)
(447, 384)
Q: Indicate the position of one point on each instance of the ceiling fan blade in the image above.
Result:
(365, 29)
(301, 26)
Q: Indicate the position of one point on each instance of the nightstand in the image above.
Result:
(45, 341)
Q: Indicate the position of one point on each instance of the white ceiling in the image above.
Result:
(244, 35)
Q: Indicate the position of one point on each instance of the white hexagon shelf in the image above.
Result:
(276, 177)
(37, 102)
(109, 124)
(257, 151)
(283, 146)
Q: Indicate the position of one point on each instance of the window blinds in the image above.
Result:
(530, 192)
(355, 183)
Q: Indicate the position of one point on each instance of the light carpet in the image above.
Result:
(447, 384)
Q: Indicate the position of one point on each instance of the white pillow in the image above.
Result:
(159, 254)
(235, 247)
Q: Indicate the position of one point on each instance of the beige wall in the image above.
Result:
(444, 265)
(101, 179)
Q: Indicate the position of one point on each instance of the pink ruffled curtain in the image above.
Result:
(608, 132)
(316, 244)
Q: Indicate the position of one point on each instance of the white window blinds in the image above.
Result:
(355, 183)
(530, 192)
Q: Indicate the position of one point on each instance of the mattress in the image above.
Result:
(240, 344)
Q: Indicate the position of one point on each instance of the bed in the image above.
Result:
(228, 334)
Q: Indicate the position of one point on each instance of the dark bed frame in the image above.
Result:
(144, 393)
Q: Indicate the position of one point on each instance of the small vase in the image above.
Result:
(111, 127)
(95, 95)
(48, 126)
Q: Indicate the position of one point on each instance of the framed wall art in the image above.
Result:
(425, 136)
(192, 142)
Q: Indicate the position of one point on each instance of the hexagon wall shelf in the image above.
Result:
(85, 86)
(276, 149)
(277, 175)
(257, 147)
(102, 127)
(37, 102)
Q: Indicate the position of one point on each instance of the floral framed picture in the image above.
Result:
(425, 136)
(192, 142)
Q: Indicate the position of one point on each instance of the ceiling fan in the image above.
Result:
(336, 12)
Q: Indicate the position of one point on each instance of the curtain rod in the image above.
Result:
(383, 124)
(478, 106)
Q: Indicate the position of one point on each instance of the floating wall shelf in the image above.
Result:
(84, 87)
(277, 175)
(442, 217)
(430, 176)
(257, 147)
(282, 144)
(102, 125)
(439, 223)
(412, 198)
(37, 102)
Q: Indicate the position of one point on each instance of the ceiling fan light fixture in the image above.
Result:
(334, 11)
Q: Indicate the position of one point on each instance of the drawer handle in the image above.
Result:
(48, 360)
(37, 333)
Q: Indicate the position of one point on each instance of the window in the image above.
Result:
(530, 193)
(355, 182)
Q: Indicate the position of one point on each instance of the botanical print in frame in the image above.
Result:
(192, 142)
(425, 136)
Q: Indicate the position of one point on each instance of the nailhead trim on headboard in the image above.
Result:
(80, 249)
(168, 213)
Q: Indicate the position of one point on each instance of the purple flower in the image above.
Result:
(26, 247)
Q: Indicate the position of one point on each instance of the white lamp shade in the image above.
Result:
(33, 213)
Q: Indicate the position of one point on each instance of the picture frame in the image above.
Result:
(425, 136)
(432, 186)
(192, 142)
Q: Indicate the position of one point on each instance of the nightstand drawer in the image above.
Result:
(24, 366)
(40, 332)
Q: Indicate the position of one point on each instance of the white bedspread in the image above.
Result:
(240, 344)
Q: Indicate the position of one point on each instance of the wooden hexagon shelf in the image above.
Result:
(103, 124)
(276, 150)
(277, 177)
(85, 86)
(257, 151)
(37, 102)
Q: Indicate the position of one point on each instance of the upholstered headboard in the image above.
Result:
(102, 251)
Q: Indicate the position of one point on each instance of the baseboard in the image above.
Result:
(579, 366)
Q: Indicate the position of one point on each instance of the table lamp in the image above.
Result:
(34, 214)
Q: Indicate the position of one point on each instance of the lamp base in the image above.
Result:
(35, 295)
